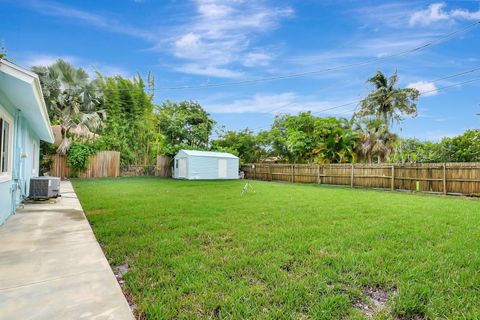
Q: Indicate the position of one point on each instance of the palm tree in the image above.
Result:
(72, 101)
(387, 102)
(375, 140)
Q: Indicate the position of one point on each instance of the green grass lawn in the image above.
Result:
(197, 249)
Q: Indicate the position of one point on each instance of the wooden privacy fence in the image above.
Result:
(446, 178)
(102, 164)
(162, 169)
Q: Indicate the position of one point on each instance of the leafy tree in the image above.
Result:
(413, 150)
(184, 125)
(130, 125)
(335, 140)
(292, 137)
(243, 143)
(462, 148)
(72, 101)
(306, 138)
(387, 102)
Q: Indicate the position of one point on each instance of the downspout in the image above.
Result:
(17, 166)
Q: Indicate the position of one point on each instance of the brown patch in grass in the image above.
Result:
(376, 301)
(97, 211)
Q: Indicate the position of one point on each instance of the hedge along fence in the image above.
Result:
(446, 178)
(162, 169)
(102, 164)
(145, 171)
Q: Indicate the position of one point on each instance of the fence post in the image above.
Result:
(318, 174)
(254, 171)
(292, 174)
(444, 178)
(353, 175)
(270, 171)
(393, 177)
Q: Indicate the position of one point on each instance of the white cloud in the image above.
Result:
(41, 59)
(286, 102)
(187, 41)
(215, 41)
(210, 71)
(425, 88)
(465, 14)
(60, 10)
(45, 60)
(433, 13)
(221, 33)
(436, 12)
(210, 9)
(392, 14)
(255, 59)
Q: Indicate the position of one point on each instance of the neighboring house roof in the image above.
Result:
(198, 153)
(22, 89)
(57, 134)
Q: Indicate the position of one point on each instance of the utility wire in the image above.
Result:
(424, 46)
(421, 93)
(357, 101)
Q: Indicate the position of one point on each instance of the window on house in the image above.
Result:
(5, 147)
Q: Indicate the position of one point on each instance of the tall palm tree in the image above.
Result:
(72, 101)
(387, 102)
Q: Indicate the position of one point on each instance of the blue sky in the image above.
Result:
(200, 42)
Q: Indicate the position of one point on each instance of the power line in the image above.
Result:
(357, 101)
(424, 46)
(421, 93)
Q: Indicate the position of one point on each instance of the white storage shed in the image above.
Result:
(205, 165)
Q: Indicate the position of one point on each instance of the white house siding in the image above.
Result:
(6, 198)
(24, 164)
(21, 99)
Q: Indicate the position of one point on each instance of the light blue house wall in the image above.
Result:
(203, 165)
(22, 105)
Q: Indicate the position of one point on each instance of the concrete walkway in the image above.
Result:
(51, 266)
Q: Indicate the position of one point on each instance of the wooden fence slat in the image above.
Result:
(102, 164)
(446, 178)
(392, 186)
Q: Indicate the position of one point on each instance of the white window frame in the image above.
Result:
(7, 176)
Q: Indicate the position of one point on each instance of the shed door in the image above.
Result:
(222, 168)
(182, 167)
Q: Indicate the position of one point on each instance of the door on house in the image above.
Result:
(222, 168)
(182, 168)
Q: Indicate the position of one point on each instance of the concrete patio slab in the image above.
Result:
(52, 267)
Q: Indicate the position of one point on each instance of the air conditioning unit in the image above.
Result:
(44, 188)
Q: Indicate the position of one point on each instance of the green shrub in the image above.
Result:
(78, 156)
